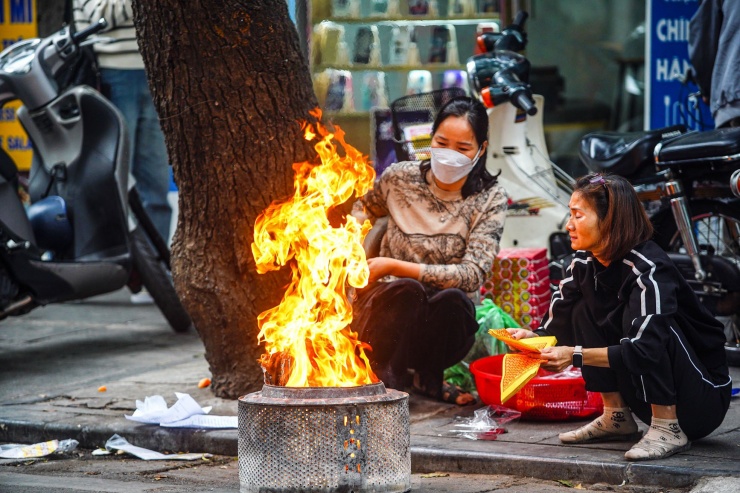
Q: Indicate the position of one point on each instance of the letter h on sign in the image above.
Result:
(21, 11)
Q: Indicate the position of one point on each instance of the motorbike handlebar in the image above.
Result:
(525, 101)
(90, 30)
(519, 92)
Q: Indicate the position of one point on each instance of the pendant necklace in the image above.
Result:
(440, 207)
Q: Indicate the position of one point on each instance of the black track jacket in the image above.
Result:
(638, 300)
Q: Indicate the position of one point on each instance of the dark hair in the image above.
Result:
(479, 178)
(623, 222)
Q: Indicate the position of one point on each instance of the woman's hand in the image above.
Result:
(387, 266)
(558, 358)
(521, 333)
(380, 267)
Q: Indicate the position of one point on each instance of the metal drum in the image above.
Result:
(327, 439)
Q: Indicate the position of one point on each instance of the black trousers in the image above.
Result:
(408, 327)
(680, 379)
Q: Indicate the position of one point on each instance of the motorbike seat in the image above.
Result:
(623, 153)
(694, 148)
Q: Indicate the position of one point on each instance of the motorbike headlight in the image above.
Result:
(17, 58)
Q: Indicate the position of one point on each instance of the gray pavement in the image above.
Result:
(53, 361)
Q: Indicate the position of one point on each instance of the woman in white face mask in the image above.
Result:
(445, 219)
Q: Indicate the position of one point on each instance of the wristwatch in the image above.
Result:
(578, 357)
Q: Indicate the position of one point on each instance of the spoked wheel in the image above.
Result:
(717, 229)
(152, 267)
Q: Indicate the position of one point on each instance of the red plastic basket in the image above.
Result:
(541, 399)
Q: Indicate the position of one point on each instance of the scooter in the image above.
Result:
(538, 189)
(690, 182)
(85, 232)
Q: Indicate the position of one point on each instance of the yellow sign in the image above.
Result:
(17, 22)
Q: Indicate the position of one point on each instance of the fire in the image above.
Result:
(308, 339)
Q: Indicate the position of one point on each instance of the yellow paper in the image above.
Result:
(519, 368)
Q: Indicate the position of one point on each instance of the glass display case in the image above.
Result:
(364, 54)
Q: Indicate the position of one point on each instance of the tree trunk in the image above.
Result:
(231, 87)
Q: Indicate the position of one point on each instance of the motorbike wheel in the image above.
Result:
(146, 224)
(717, 227)
(157, 279)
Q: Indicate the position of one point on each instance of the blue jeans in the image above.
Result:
(129, 92)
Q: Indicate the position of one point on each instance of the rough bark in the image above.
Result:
(231, 87)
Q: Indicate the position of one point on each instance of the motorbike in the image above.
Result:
(538, 189)
(85, 231)
(690, 184)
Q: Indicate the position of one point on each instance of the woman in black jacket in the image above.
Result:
(625, 315)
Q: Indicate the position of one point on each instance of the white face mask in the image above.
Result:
(450, 166)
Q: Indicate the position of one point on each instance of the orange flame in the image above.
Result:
(311, 323)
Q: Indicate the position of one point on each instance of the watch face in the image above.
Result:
(578, 359)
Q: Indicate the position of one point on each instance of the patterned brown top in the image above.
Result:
(454, 239)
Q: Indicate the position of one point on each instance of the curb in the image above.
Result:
(424, 459)
(218, 442)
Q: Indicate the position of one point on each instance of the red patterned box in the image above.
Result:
(520, 284)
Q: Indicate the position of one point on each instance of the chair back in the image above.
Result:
(412, 118)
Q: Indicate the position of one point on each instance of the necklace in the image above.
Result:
(439, 203)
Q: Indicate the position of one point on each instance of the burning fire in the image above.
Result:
(307, 336)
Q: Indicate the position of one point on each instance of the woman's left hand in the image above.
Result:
(558, 358)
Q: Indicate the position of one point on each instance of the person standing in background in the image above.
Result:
(125, 84)
(714, 51)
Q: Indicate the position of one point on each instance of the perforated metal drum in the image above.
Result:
(325, 439)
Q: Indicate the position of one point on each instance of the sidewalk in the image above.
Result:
(53, 360)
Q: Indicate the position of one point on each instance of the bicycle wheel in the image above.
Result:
(158, 281)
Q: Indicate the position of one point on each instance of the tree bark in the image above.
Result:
(231, 87)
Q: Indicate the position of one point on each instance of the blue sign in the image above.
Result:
(21, 11)
(669, 100)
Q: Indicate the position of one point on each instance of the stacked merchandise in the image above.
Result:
(520, 284)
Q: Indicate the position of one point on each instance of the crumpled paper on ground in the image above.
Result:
(117, 442)
(185, 413)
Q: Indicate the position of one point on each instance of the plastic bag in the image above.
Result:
(485, 424)
(569, 372)
(489, 316)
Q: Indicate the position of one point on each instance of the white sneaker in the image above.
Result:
(142, 298)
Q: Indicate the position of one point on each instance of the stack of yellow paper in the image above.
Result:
(519, 368)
